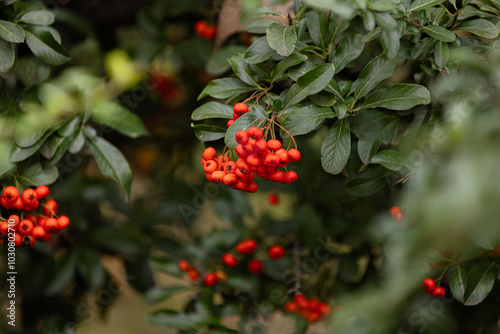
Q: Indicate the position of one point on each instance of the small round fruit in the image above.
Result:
(25, 227)
(28, 241)
(273, 199)
(276, 252)
(294, 154)
(210, 166)
(241, 137)
(18, 240)
(255, 267)
(229, 260)
(209, 153)
(273, 144)
(200, 27)
(13, 220)
(438, 292)
(210, 279)
(290, 176)
(193, 274)
(11, 194)
(230, 122)
(50, 208)
(240, 108)
(39, 233)
(247, 246)
(51, 225)
(42, 192)
(63, 222)
(183, 265)
(29, 196)
(291, 307)
(255, 133)
(429, 284)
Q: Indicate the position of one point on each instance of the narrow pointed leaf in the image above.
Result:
(310, 83)
(374, 72)
(119, 118)
(304, 120)
(440, 33)
(243, 70)
(480, 27)
(349, 49)
(421, 4)
(11, 32)
(479, 282)
(285, 64)
(212, 109)
(225, 87)
(336, 147)
(45, 47)
(458, 283)
(370, 181)
(392, 160)
(441, 54)
(281, 39)
(398, 97)
(7, 56)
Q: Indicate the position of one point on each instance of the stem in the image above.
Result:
(288, 133)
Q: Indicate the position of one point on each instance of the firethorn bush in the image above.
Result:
(301, 167)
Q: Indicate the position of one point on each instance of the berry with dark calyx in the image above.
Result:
(241, 137)
(438, 292)
(28, 241)
(277, 176)
(42, 192)
(210, 279)
(229, 260)
(39, 233)
(271, 160)
(19, 205)
(183, 265)
(230, 179)
(255, 133)
(210, 166)
(252, 187)
(276, 252)
(294, 154)
(255, 267)
(11, 194)
(429, 285)
(290, 176)
(218, 176)
(31, 207)
(18, 240)
(29, 196)
(209, 153)
(5, 204)
(51, 225)
(25, 227)
(240, 108)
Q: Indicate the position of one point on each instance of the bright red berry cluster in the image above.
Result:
(310, 309)
(431, 288)
(31, 227)
(205, 30)
(210, 279)
(396, 213)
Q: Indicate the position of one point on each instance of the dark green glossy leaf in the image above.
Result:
(259, 26)
(441, 54)
(458, 283)
(41, 175)
(285, 64)
(374, 72)
(349, 49)
(421, 4)
(304, 120)
(423, 48)
(111, 162)
(336, 147)
(20, 154)
(39, 17)
(398, 97)
(391, 160)
(281, 39)
(242, 123)
(385, 20)
(225, 87)
(310, 83)
(212, 109)
(391, 42)
(119, 118)
(7, 56)
(243, 70)
(259, 52)
(44, 46)
(479, 27)
(479, 282)
(206, 132)
(370, 181)
(440, 33)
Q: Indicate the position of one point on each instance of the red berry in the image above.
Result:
(50, 208)
(210, 166)
(429, 284)
(291, 307)
(230, 122)
(273, 199)
(11, 194)
(324, 308)
(209, 153)
(200, 27)
(18, 240)
(29, 196)
(240, 108)
(252, 187)
(39, 233)
(42, 192)
(210, 279)
(193, 274)
(51, 225)
(254, 160)
(63, 222)
(294, 154)
(261, 145)
(255, 267)
(229, 260)
(4, 228)
(25, 227)
(301, 301)
(13, 219)
(183, 265)
(218, 176)
(19, 205)
(277, 176)
(210, 32)
(290, 176)
(5, 204)
(230, 179)
(271, 160)
(241, 137)
(313, 317)
(438, 292)
(394, 210)
(273, 144)
(276, 252)
(255, 133)
(28, 241)
(247, 246)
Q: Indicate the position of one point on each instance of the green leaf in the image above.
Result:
(41, 17)
(421, 4)
(206, 132)
(336, 147)
(369, 21)
(41, 175)
(64, 273)
(285, 64)
(349, 49)
(345, 9)
(243, 70)
(5, 164)
(391, 42)
(441, 54)
(310, 83)
(304, 120)
(318, 27)
(479, 283)
(392, 160)
(375, 71)
(212, 109)
(372, 35)
(173, 319)
(479, 27)
(265, 11)
(398, 97)
(45, 47)
(217, 64)
(440, 33)
(385, 20)
(156, 294)
(281, 39)
(422, 48)
(259, 26)
(370, 181)
(11, 32)
(20, 153)
(259, 52)
(111, 161)
(458, 283)
(112, 114)
(7, 56)
(225, 87)
(242, 123)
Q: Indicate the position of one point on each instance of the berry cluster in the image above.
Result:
(205, 30)
(396, 213)
(239, 109)
(257, 157)
(310, 309)
(210, 278)
(431, 288)
(32, 227)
